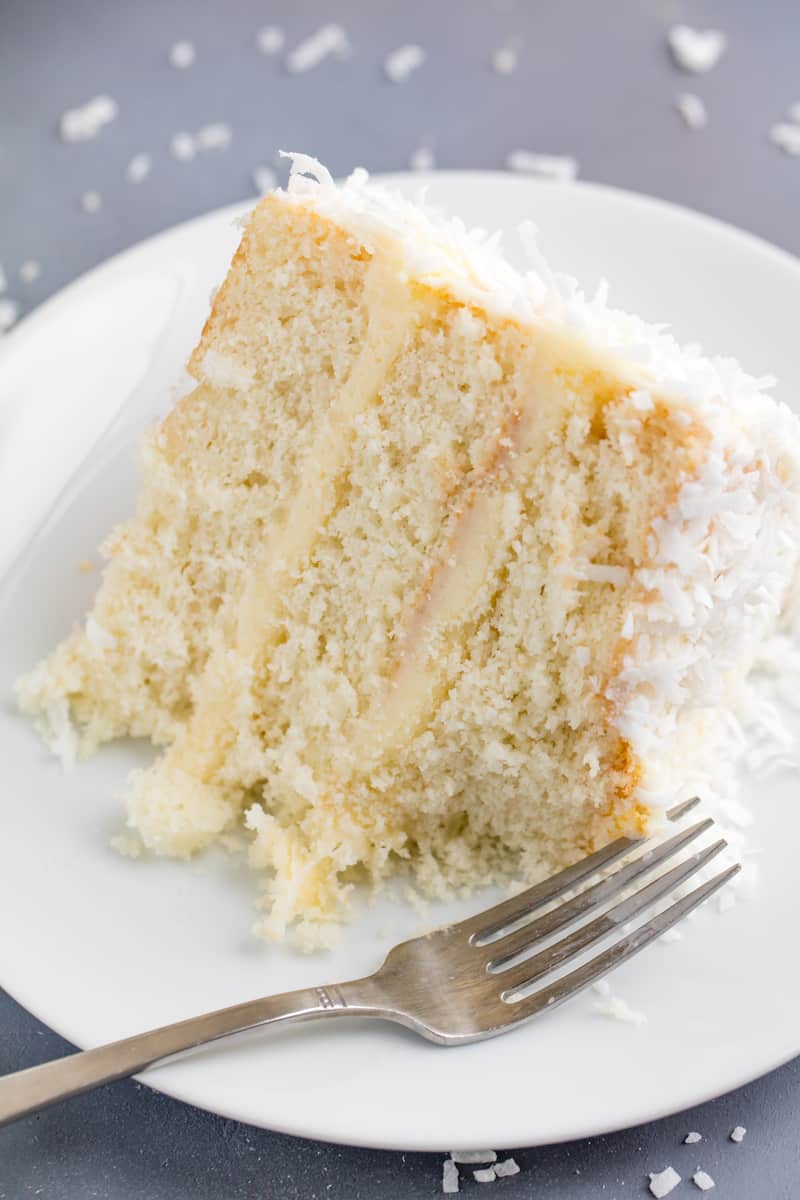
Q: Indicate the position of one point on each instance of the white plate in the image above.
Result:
(100, 947)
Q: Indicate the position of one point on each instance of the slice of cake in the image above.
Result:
(439, 567)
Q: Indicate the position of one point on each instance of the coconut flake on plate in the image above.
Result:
(703, 1181)
(786, 136)
(561, 168)
(9, 312)
(85, 122)
(737, 1134)
(29, 272)
(182, 55)
(696, 50)
(663, 1182)
(402, 62)
(328, 40)
(692, 1138)
(138, 168)
(619, 1010)
(692, 109)
(270, 39)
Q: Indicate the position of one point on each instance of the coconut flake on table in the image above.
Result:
(29, 272)
(663, 1182)
(138, 168)
(692, 1138)
(505, 60)
(737, 1134)
(692, 109)
(9, 311)
(466, 1157)
(703, 1181)
(216, 136)
(484, 1175)
(696, 50)
(91, 201)
(263, 179)
(619, 1010)
(328, 40)
(505, 1168)
(183, 147)
(423, 158)
(3, 280)
(402, 62)
(270, 39)
(83, 123)
(786, 136)
(561, 168)
(449, 1176)
(182, 55)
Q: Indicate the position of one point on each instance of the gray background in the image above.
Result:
(595, 81)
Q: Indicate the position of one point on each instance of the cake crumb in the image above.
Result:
(484, 1175)
(561, 168)
(508, 1166)
(30, 271)
(91, 202)
(182, 55)
(138, 168)
(619, 1010)
(696, 50)
(270, 39)
(465, 1157)
(449, 1176)
(663, 1182)
(692, 109)
(737, 1134)
(402, 62)
(692, 1138)
(703, 1181)
(9, 312)
(328, 40)
(83, 123)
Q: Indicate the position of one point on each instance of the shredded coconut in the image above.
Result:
(505, 60)
(602, 987)
(270, 39)
(787, 137)
(692, 1138)
(423, 158)
(82, 124)
(263, 179)
(663, 1182)
(507, 1167)
(703, 1181)
(91, 202)
(182, 55)
(619, 1010)
(696, 50)
(30, 271)
(183, 147)
(558, 167)
(402, 62)
(692, 109)
(737, 1134)
(9, 312)
(328, 40)
(484, 1175)
(138, 168)
(449, 1176)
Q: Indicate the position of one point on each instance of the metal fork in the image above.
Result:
(458, 984)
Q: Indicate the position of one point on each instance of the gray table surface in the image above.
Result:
(594, 80)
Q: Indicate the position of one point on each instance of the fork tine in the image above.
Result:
(531, 969)
(620, 952)
(566, 914)
(492, 920)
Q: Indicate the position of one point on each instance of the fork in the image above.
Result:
(461, 983)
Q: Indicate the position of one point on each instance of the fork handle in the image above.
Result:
(26, 1091)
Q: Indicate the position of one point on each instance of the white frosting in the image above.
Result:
(722, 560)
